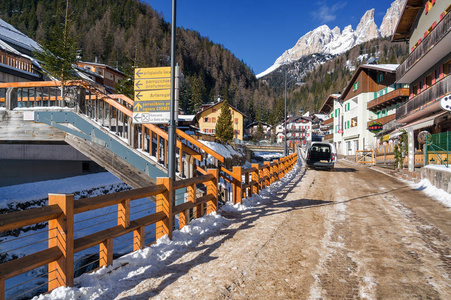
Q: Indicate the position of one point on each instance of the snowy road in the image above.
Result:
(350, 234)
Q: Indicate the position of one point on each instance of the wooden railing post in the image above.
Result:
(184, 216)
(237, 183)
(247, 190)
(212, 188)
(106, 253)
(256, 178)
(123, 213)
(267, 173)
(61, 235)
(2, 289)
(164, 204)
(138, 238)
(276, 170)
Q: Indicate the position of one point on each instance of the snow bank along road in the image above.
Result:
(349, 234)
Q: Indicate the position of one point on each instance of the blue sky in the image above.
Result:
(258, 32)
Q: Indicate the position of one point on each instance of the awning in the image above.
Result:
(425, 122)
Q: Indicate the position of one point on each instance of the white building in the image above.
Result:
(351, 114)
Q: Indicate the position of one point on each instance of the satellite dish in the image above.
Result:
(424, 137)
(445, 103)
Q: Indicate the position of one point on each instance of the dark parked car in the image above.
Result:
(321, 155)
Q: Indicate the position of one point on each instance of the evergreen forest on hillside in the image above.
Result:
(129, 33)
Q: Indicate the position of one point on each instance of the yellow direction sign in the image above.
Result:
(149, 73)
(152, 84)
(153, 95)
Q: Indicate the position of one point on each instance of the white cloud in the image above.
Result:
(327, 13)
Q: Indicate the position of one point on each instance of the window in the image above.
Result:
(380, 78)
(355, 86)
(236, 120)
(354, 122)
(337, 112)
(213, 120)
(206, 120)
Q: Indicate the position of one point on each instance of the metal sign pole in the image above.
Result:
(172, 123)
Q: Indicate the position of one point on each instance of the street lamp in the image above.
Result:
(285, 139)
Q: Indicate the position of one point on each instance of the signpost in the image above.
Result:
(153, 95)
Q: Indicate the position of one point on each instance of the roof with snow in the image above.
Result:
(17, 39)
(204, 108)
(386, 68)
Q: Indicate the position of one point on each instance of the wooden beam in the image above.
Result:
(27, 263)
(28, 217)
(92, 203)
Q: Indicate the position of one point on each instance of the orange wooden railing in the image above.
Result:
(61, 209)
(114, 112)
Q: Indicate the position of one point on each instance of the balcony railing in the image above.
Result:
(383, 120)
(441, 30)
(391, 98)
(433, 93)
(295, 130)
(328, 121)
(328, 137)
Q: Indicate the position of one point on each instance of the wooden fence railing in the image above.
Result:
(61, 209)
(113, 111)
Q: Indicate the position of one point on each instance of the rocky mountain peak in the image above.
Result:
(327, 41)
(367, 28)
(391, 18)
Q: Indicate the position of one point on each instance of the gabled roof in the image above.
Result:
(386, 68)
(405, 22)
(328, 105)
(101, 65)
(256, 123)
(17, 39)
(216, 104)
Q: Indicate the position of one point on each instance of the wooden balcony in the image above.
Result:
(328, 121)
(433, 93)
(388, 99)
(328, 137)
(430, 46)
(383, 120)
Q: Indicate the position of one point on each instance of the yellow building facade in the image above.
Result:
(208, 117)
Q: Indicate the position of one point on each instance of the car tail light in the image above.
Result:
(333, 156)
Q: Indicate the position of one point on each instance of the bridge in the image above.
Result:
(35, 119)
(98, 125)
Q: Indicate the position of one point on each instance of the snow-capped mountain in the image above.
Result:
(325, 40)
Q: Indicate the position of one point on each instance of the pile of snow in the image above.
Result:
(39, 190)
(429, 189)
(131, 269)
(224, 150)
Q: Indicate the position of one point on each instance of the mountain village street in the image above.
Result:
(354, 233)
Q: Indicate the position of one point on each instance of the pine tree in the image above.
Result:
(224, 126)
(59, 51)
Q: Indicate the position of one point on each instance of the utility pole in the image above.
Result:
(172, 119)
(285, 150)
